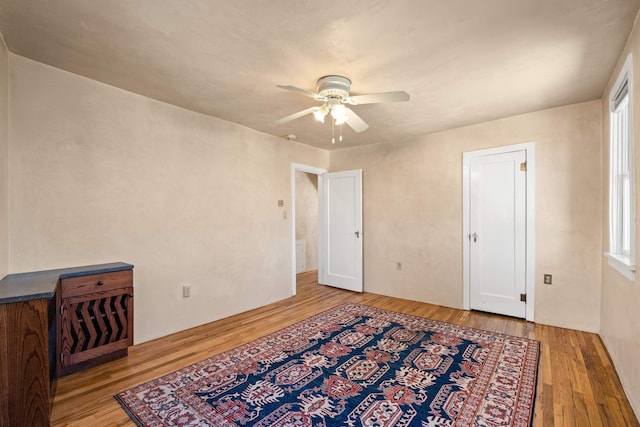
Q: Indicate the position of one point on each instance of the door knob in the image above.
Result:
(357, 234)
(475, 237)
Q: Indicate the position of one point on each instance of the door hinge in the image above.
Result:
(61, 309)
(523, 166)
(61, 357)
(523, 297)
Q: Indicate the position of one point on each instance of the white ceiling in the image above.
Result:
(462, 61)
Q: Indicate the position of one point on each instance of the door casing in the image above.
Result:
(529, 148)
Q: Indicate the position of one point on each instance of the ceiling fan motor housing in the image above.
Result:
(334, 87)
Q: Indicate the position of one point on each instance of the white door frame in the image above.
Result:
(308, 169)
(529, 148)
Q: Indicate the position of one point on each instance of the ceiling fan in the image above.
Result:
(333, 92)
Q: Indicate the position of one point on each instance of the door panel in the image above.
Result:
(497, 242)
(341, 230)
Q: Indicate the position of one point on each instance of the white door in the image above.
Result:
(341, 230)
(497, 233)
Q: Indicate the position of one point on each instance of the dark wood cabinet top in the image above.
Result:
(42, 284)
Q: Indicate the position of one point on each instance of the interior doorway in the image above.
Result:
(304, 218)
(306, 222)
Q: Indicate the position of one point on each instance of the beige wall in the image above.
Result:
(307, 216)
(99, 174)
(620, 310)
(4, 158)
(413, 211)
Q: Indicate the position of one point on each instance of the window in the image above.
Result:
(621, 175)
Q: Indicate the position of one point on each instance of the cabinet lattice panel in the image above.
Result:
(97, 322)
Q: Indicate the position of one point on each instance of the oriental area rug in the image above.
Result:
(352, 365)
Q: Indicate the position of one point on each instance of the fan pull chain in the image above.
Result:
(340, 133)
(333, 132)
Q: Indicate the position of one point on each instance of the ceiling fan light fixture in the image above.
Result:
(339, 114)
(341, 121)
(320, 114)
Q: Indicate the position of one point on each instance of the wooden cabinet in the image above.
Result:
(56, 322)
(94, 320)
(24, 363)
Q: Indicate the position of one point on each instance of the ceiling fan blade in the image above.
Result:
(374, 98)
(304, 92)
(296, 115)
(355, 122)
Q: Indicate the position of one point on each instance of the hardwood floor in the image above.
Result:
(577, 385)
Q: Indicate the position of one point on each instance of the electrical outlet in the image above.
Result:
(186, 291)
(398, 265)
(547, 279)
(284, 214)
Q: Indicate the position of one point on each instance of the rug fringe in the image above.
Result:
(126, 409)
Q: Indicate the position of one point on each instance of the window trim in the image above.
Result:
(624, 264)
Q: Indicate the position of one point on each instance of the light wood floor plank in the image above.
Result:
(577, 385)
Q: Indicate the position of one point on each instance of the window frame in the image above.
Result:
(622, 260)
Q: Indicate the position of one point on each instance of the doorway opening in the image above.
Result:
(304, 220)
